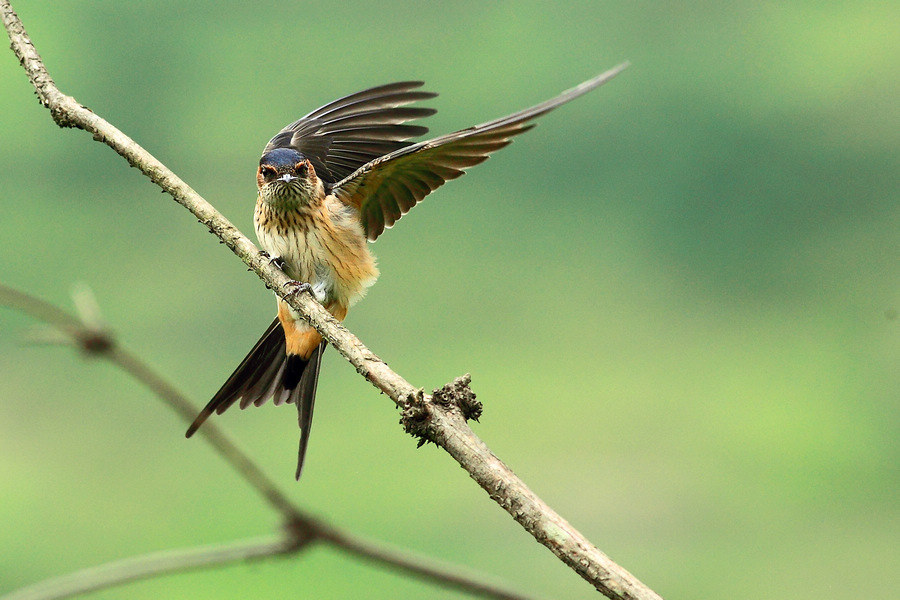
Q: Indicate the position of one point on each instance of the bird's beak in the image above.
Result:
(287, 178)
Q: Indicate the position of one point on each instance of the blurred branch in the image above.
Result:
(443, 422)
(300, 529)
(170, 562)
(99, 342)
(150, 565)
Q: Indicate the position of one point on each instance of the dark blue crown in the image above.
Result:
(281, 158)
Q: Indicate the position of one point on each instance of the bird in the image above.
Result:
(330, 182)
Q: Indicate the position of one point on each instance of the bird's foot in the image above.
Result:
(298, 287)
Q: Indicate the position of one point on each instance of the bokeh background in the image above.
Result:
(677, 297)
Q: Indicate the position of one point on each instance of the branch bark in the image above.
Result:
(440, 422)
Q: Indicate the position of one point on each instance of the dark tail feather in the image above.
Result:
(294, 370)
(268, 372)
(306, 378)
(256, 378)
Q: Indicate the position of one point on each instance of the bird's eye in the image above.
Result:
(267, 172)
(301, 168)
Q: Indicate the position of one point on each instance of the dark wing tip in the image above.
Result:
(201, 418)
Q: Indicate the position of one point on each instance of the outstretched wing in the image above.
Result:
(384, 189)
(340, 137)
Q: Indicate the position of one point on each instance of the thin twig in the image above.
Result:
(444, 425)
(171, 562)
(301, 528)
(426, 569)
(151, 565)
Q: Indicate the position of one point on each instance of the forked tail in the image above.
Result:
(267, 372)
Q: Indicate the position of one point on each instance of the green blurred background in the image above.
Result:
(677, 297)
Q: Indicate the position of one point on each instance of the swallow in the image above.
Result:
(329, 183)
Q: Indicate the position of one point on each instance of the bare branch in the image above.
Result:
(443, 424)
(427, 569)
(171, 562)
(151, 565)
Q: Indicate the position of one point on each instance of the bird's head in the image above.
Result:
(286, 176)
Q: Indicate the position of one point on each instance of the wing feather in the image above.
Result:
(387, 187)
